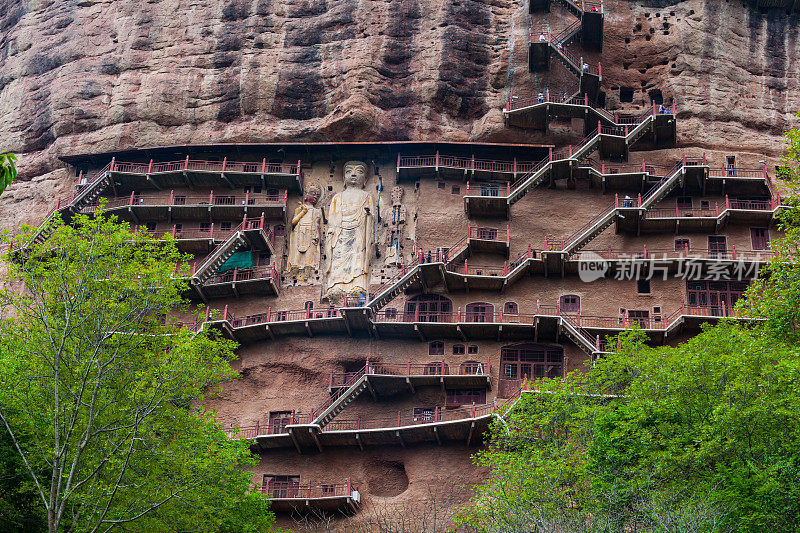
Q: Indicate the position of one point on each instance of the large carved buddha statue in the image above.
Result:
(349, 237)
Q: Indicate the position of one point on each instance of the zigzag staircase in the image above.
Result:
(88, 195)
(218, 256)
(584, 149)
(344, 397)
(575, 242)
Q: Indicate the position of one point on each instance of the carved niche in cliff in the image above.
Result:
(349, 236)
(304, 242)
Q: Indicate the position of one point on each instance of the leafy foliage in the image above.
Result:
(8, 169)
(101, 397)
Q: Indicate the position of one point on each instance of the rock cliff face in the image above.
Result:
(93, 75)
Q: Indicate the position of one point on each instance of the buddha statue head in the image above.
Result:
(313, 194)
(355, 174)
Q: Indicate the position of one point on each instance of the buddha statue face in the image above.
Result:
(313, 194)
(355, 174)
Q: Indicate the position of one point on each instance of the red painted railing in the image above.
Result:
(438, 368)
(243, 274)
(244, 167)
(210, 199)
(289, 490)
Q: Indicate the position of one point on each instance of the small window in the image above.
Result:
(456, 189)
(510, 308)
(457, 397)
(440, 184)
(423, 414)
(458, 349)
(257, 189)
(472, 349)
(225, 226)
(309, 305)
(570, 303)
(471, 368)
(437, 368)
(681, 245)
(151, 226)
(436, 348)
(705, 204)
(205, 227)
(179, 200)
(626, 94)
(657, 310)
(390, 312)
(643, 286)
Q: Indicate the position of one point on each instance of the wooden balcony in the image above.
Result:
(207, 174)
(289, 496)
(388, 379)
(216, 205)
(255, 281)
(441, 165)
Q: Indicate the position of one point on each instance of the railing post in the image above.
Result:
(640, 199)
(704, 159)
(113, 166)
(727, 203)
(547, 94)
(225, 314)
(508, 188)
(716, 208)
(264, 165)
(654, 108)
(257, 429)
(466, 269)
(530, 255)
(358, 421)
(194, 268)
(626, 130)
(467, 188)
(515, 168)
(586, 103)
(212, 230)
(458, 315)
(416, 313)
(437, 160)
(398, 162)
(235, 271)
(579, 318)
(598, 128)
(724, 309)
(269, 314)
(570, 150)
(644, 167)
(603, 167)
(505, 268)
(246, 198)
(537, 306)
(469, 230)
(551, 153)
(508, 233)
(224, 163)
(186, 163)
(599, 69)
(299, 167)
(133, 194)
(645, 250)
(734, 252)
(398, 418)
(616, 199)
(292, 417)
(683, 158)
(211, 197)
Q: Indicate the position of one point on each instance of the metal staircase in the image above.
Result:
(218, 256)
(339, 401)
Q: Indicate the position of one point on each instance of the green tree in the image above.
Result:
(8, 169)
(102, 399)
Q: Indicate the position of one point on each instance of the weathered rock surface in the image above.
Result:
(92, 75)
